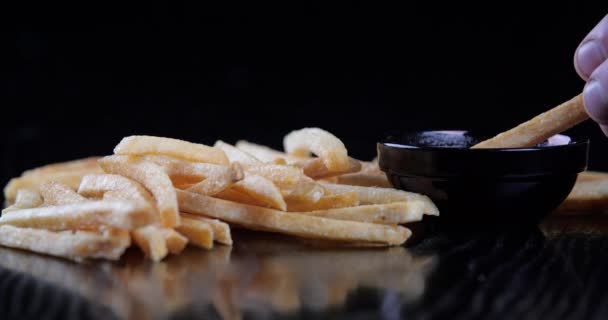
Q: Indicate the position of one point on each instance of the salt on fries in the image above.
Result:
(160, 194)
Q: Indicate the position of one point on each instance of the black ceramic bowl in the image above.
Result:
(511, 186)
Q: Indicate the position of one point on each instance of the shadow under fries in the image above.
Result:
(262, 275)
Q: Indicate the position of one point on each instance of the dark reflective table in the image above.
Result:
(557, 271)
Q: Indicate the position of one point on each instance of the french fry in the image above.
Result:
(198, 232)
(115, 187)
(317, 169)
(236, 155)
(216, 184)
(390, 213)
(342, 200)
(364, 179)
(587, 196)
(26, 198)
(175, 241)
(138, 145)
(259, 218)
(373, 195)
(68, 173)
(541, 127)
(262, 190)
(265, 153)
(153, 178)
(55, 193)
(84, 215)
(221, 230)
(282, 175)
(371, 168)
(184, 172)
(592, 175)
(305, 191)
(320, 142)
(75, 245)
(151, 240)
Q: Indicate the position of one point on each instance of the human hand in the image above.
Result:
(591, 65)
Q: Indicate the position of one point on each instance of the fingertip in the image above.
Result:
(595, 99)
(588, 56)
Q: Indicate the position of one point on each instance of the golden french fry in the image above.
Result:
(371, 167)
(151, 240)
(282, 175)
(587, 196)
(221, 230)
(342, 200)
(26, 198)
(113, 186)
(364, 179)
(541, 127)
(55, 193)
(75, 245)
(84, 215)
(320, 142)
(305, 191)
(198, 232)
(264, 153)
(316, 168)
(259, 218)
(373, 195)
(216, 184)
(68, 173)
(153, 178)
(262, 190)
(592, 175)
(236, 155)
(175, 241)
(185, 172)
(140, 145)
(390, 213)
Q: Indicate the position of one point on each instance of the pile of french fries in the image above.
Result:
(162, 194)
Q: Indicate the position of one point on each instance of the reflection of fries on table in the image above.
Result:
(161, 194)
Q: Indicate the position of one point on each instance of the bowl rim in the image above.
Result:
(574, 142)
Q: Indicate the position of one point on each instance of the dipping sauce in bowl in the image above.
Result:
(473, 187)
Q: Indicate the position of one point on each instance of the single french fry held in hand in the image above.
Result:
(364, 179)
(198, 232)
(341, 200)
(68, 173)
(151, 240)
(26, 198)
(320, 142)
(55, 193)
(153, 178)
(140, 145)
(316, 168)
(216, 184)
(541, 127)
(373, 195)
(75, 245)
(236, 155)
(259, 218)
(221, 230)
(119, 187)
(390, 213)
(84, 215)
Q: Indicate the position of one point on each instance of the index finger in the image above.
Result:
(593, 50)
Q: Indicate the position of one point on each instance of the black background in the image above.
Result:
(257, 71)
